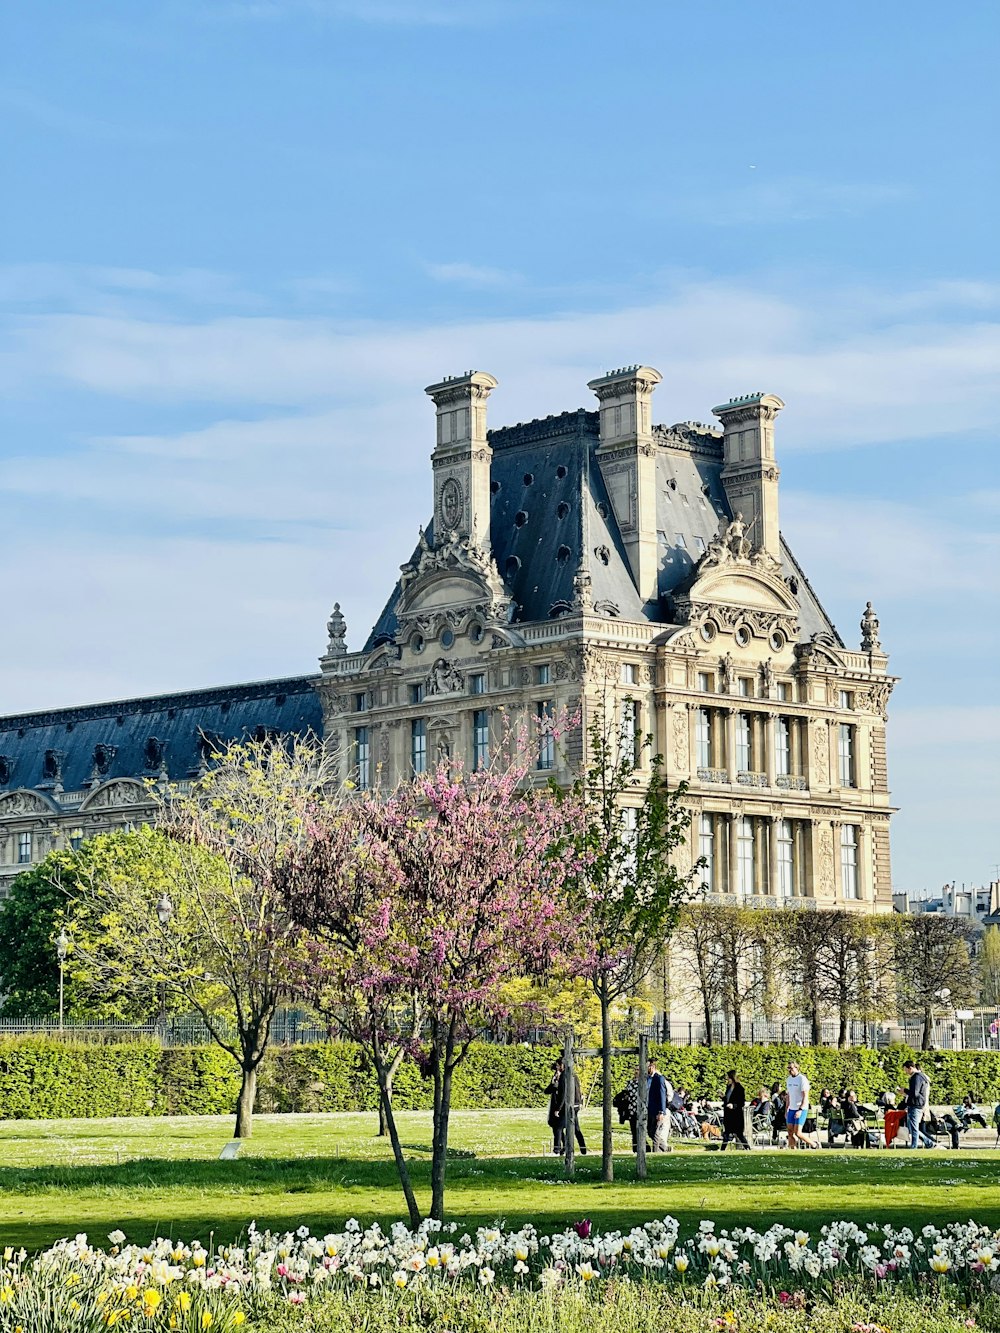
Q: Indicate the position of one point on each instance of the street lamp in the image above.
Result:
(164, 911)
(62, 949)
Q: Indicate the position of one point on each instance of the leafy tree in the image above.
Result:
(30, 919)
(223, 946)
(989, 966)
(421, 908)
(627, 886)
(932, 955)
(47, 897)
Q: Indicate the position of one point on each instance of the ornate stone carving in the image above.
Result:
(727, 674)
(23, 803)
(336, 628)
(582, 597)
(681, 738)
(6, 769)
(824, 859)
(444, 678)
(118, 794)
(869, 631)
(610, 610)
(767, 678)
(821, 753)
(457, 555)
(875, 699)
(452, 503)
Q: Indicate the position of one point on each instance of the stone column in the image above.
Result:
(769, 759)
(734, 874)
(772, 859)
(729, 716)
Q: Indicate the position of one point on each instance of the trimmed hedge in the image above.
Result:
(45, 1078)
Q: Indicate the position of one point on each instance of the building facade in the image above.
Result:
(588, 561)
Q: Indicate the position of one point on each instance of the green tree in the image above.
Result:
(30, 919)
(47, 897)
(630, 889)
(989, 967)
(222, 947)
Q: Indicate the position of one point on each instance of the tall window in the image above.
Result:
(480, 739)
(849, 860)
(630, 673)
(362, 758)
(628, 738)
(703, 737)
(418, 745)
(23, 848)
(846, 748)
(746, 878)
(787, 887)
(76, 839)
(706, 847)
(706, 682)
(784, 690)
(543, 674)
(782, 747)
(416, 694)
(744, 748)
(546, 741)
(477, 684)
(845, 699)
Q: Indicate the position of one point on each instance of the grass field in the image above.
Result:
(162, 1176)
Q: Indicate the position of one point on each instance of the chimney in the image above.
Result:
(750, 474)
(462, 456)
(627, 459)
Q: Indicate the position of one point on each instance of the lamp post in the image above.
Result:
(164, 911)
(62, 949)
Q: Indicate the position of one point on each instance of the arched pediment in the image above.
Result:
(443, 590)
(456, 576)
(743, 584)
(24, 801)
(119, 792)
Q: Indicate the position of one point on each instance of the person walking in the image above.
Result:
(918, 1100)
(733, 1121)
(779, 1105)
(659, 1093)
(797, 1111)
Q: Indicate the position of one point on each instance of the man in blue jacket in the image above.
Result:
(658, 1107)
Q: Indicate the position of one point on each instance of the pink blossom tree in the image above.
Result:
(421, 906)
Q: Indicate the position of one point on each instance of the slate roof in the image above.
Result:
(140, 735)
(550, 515)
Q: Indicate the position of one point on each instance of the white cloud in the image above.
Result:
(891, 378)
(473, 275)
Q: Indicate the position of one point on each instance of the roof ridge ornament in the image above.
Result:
(870, 642)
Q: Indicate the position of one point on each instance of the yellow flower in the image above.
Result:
(151, 1299)
(239, 1318)
(207, 1319)
(940, 1263)
(6, 1294)
(184, 1301)
(198, 1259)
(131, 1292)
(115, 1316)
(681, 1263)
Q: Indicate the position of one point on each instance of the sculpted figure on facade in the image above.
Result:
(444, 678)
(869, 631)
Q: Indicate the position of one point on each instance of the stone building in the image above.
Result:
(589, 560)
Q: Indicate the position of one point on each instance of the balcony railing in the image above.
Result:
(712, 775)
(747, 779)
(791, 782)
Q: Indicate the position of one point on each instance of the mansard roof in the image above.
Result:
(551, 517)
(71, 748)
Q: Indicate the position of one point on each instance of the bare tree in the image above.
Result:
(697, 961)
(934, 966)
(803, 938)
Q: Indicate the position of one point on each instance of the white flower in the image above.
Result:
(116, 1237)
(486, 1276)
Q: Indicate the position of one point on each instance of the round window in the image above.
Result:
(777, 640)
(447, 639)
(709, 630)
(743, 636)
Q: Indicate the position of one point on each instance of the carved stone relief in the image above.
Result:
(820, 754)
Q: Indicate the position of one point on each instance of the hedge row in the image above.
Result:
(46, 1078)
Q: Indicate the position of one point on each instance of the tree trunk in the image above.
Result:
(443, 1071)
(245, 1103)
(708, 1015)
(925, 1040)
(844, 1034)
(382, 1128)
(814, 1021)
(607, 1149)
(385, 1111)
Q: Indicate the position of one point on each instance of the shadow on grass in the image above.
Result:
(197, 1198)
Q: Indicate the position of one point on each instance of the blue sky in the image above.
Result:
(240, 236)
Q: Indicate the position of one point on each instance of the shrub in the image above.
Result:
(46, 1077)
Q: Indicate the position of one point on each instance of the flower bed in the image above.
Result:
(169, 1284)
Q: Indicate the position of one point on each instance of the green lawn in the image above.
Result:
(146, 1176)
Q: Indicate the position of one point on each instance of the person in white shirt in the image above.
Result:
(797, 1087)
